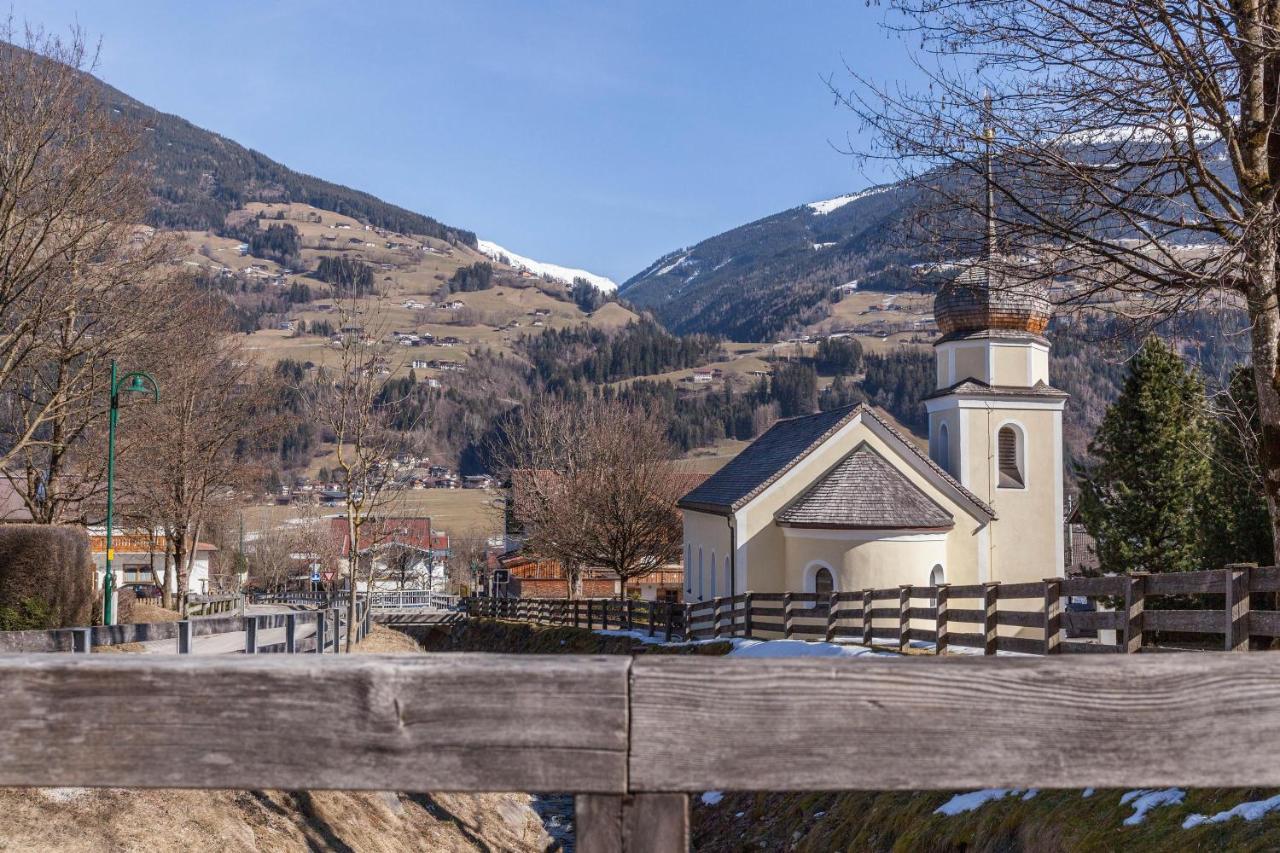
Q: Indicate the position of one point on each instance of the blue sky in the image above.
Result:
(591, 134)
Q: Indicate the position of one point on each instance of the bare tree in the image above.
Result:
(594, 485)
(352, 402)
(467, 554)
(198, 436)
(78, 270)
(1133, 149)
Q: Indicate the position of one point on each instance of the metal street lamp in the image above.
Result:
(138, 382)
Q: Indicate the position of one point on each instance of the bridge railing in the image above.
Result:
(633, 737)
(403, 599)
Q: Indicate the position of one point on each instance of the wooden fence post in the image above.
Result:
(321, 624)
(590, 620)
(715, 616)
(1236, 630)
(990, 606)
(940, 620)
(868, 639)
(1052, 616)
(746, 615)
(651, 608)
(184, 637)
(635, 823)
(833, 606)
(337, 630)
(82, 640)
(670, 608)
(250, 635)
(904, 617)
(687, 626)
(631, 614)
(1135, 605)
(786, 615)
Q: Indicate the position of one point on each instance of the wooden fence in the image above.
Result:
(329, 623)
(208, 605)
(634, 736)
(657, 618)
(1212, 609)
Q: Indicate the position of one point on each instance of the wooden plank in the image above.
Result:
(1236, 608)
(1015, 591)
(968, 641)
(941, 620)
(1093, 587)
(1184, 583)
(904, 620)
(991, 600)
(867, 598)
(787, 625)
(1264, 579)
(971, 591)
(1134, 609)
(955, 722)
(1020, 618)
(1021, 645)
(1074, 620)
(1077, 647)
(638, 823)
(884, 595)
(959, 614)
(922, 613)
(1052, 616)
(1264, 623)
(1187, 621)
(448, 722)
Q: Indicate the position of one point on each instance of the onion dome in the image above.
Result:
(978, 300)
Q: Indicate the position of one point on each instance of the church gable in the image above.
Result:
(865, 492)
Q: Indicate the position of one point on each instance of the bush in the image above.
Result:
(46, 577)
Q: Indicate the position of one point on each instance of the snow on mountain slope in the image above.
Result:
(565, 274)
(827, 206)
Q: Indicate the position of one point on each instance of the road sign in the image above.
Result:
(501, 576)
(315, 577)
(328, 576)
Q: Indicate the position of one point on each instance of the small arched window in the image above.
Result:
(688, 569)
(944, 448)
(700, 596)
(1009, 459)
(937, 577)
(823, 584)
(713, 574)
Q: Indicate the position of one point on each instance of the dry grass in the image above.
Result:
(385, 641)
(144, 613)
(78, 819)
(459, 512)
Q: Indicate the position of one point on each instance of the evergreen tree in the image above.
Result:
(1144, 500)
(1236, 505)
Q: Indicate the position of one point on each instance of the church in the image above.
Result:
(842, 500)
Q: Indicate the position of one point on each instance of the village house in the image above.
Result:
(139, 560)
(403, 552)
(843, 501)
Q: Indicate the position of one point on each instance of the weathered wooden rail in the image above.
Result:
(1216, 607)
(633, 737)
(208, 605)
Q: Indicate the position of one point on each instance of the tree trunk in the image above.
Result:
(166, 597)
(353, 532)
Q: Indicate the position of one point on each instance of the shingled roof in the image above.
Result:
(865, 492)
(781, 448)
(977, 386)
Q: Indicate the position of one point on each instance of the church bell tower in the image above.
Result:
(995, 422)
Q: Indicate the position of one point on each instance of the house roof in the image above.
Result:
(864, 491)
(783, 446)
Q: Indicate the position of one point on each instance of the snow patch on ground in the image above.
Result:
(961, 803)
(817, 247)
(1144, 800)
(712, 798)
(800, 649)
(1252, 810)
(1087, 793)
(822, 208)
(62, 795)
(565, 274)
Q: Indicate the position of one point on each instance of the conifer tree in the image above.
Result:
(1144, 500)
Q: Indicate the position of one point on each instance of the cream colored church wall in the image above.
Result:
(862, 563)
(764, 550)
(707, 535)
(1026, 542)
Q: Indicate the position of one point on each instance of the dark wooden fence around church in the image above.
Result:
(1211, 610)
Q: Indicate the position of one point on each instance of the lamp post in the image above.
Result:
(138, 381)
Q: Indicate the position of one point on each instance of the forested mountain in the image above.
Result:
(200, 177)
(751, 283)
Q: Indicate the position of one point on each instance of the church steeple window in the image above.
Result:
(1009, 459)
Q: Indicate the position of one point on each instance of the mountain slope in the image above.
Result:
(200, 176)
(784, 265)
(559, 273)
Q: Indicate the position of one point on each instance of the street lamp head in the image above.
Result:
(140, 382)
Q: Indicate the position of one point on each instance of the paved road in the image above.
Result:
(233, 642)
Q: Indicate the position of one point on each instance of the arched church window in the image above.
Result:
(1009, 459)
(937, 577)
(944, 448)
(823, 584)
